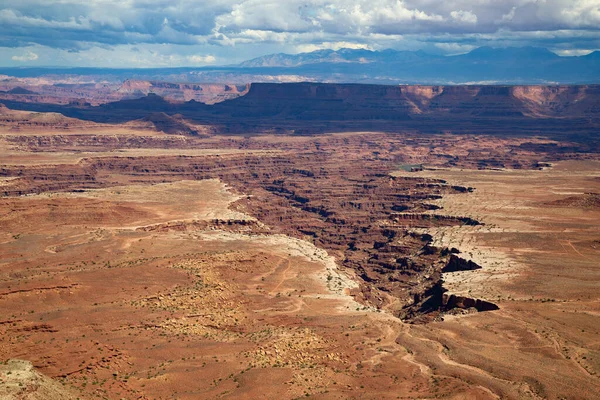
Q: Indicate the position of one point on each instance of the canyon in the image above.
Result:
(302, 240)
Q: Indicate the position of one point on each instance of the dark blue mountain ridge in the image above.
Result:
(484, 65)
(512, 65)
(363, 56)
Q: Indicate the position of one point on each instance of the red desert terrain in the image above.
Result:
(301, 241)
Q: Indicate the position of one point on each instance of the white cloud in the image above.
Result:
(464, 16)
(507, 17)
(258, 26)
(306, 48)
(29, 56)
(201, 59)
(455, 48)
(573, 52)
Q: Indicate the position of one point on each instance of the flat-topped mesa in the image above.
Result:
(319, 101)
(349, 91)
(325, 91)
(324, 102)
(484, 100)
(200, 92)
(312, 108)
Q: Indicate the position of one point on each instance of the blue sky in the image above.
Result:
(162, 33)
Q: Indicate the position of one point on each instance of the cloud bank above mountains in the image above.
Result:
(141, 33)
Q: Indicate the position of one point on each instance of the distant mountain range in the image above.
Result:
(484, 65)
(335, 56)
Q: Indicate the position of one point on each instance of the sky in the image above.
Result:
(173, 33)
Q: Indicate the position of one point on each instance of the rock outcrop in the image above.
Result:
(450, 301)
(20, 381)
(457, 263)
